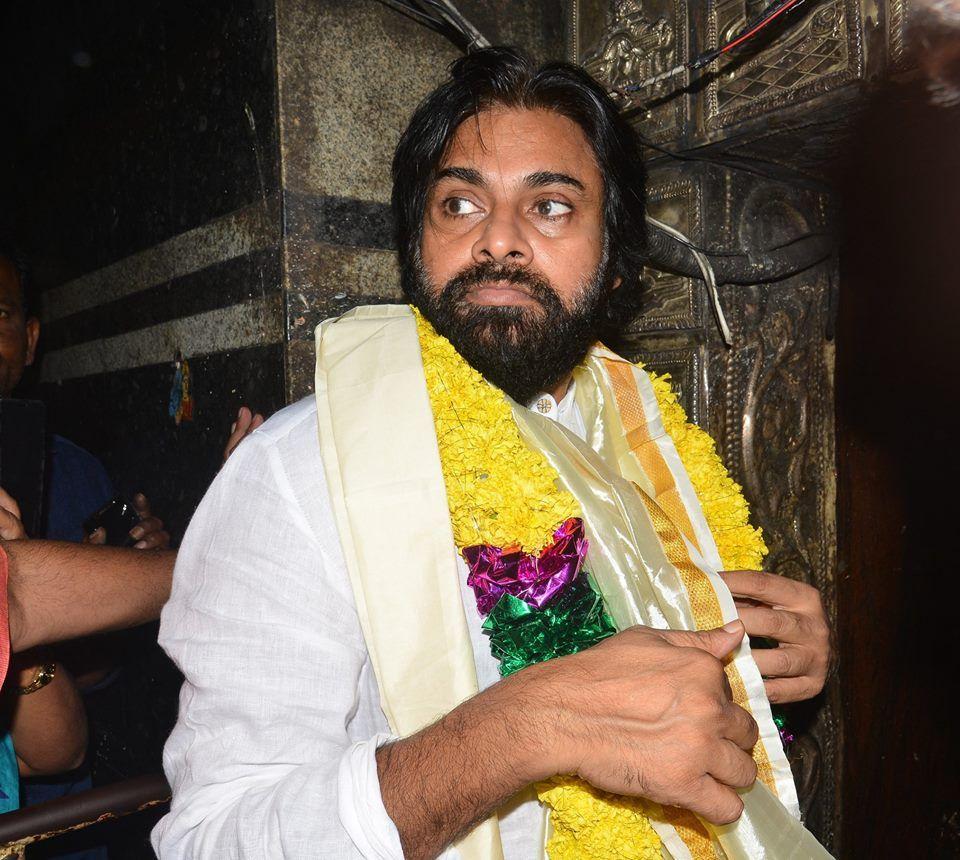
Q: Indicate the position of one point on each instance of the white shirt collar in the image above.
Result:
(565, 412)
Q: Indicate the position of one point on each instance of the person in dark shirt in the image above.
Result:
(76, 486)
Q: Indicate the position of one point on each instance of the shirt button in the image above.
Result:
(545, 404)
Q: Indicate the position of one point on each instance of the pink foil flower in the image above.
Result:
(536, 579)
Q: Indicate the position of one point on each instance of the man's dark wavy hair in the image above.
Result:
(508, 77)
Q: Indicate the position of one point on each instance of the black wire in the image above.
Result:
(748, 254)
(416, 14)
(438, 7)
(759, 21)
(707, 57)
(786, 175)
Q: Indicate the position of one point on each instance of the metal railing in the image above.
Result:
(32, 824)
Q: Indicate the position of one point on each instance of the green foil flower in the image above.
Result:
(521, 635)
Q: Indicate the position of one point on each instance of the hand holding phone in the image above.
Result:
(116, 518)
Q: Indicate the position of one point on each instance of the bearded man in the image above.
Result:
(399, 633)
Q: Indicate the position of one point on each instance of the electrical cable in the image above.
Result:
(441, 16)
(742, 164)
(766, 17)
(739, 40)
(706, 270)
(475, 39)
(716, 252)
(435, 24)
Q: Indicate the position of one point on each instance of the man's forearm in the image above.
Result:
(438, 784)
(63, 591)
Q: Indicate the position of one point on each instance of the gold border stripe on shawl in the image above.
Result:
(691, 832)
(707, 613)
(645, 448)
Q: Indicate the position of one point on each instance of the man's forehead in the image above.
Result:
(513, 143)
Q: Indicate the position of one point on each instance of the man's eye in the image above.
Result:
(459, 206)
(553, 209)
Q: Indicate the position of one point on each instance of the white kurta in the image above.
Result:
(273, 754)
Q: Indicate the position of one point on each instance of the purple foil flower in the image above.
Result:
(531, 578)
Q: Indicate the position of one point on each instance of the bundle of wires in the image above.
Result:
(774, 11)
(443, 17)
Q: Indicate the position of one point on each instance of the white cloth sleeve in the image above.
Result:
(361, 805)
(263, 760)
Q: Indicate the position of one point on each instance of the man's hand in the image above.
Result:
(11, 528)
(149, 532)
(646, 712)
(247, 421)
(791, 613)
(649, 712)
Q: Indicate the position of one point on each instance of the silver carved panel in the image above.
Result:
(771, 408)
(673, 301)
(898, 18)
(624, 42)
(685, 367)
(819, 54)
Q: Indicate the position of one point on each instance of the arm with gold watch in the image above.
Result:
(45, 714)
(41, 706)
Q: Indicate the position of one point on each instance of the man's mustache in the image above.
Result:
(477, 275)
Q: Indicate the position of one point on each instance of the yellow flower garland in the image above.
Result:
(726, 511)
(502, 493)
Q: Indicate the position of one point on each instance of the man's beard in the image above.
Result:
(523, 350)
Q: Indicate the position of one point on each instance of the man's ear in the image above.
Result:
(33, 335)
(616, 283)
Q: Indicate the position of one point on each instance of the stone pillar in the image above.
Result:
(349, 76)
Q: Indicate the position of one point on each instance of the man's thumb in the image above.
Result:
(720, 641)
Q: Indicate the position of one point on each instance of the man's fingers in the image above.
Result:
(779, 624)
(247, 421)
(155, 540)
(765, 587)
(150, 534)
(783, 690)
(10, 503)
(787, 661)
(719, 804)
(741, 728)
(10, 526)
(718, 642)
(732, 766)
(244, 416)
(97, 536)
(142, 505)
(146, 526)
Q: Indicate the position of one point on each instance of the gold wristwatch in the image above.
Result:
(45, 674)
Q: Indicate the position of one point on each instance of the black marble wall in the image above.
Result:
(207, 180)
(141, 169)
(139, 164)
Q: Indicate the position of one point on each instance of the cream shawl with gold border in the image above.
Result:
(651, 551)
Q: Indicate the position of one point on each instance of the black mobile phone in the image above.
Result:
(116, 517)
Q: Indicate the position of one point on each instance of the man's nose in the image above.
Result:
(502, 241)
